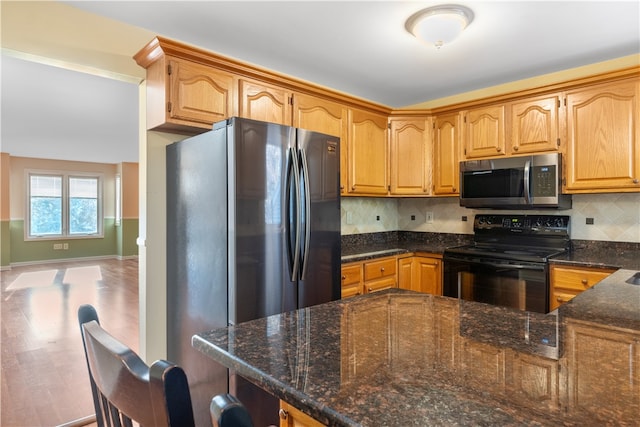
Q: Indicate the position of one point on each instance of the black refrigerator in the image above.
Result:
(253, 229)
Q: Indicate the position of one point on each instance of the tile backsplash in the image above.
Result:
(616, 216)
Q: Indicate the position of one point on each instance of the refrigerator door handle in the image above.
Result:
(307, 213)
(295, 251)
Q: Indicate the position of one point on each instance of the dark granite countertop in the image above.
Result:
(614, 301)
(599, 254)
(369, 246)
(583, 253)
(399, 358)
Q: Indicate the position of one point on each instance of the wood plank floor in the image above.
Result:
(44, 380)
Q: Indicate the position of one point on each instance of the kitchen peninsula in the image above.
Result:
(401, 358)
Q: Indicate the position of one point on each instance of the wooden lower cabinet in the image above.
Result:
(421, 274)
(369, 276)
(293, 417)
(351, 277)
(603, 377)
(567, 282)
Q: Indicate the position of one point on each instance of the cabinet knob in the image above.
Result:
(344, 277)
(453, 189)
(369, 289)
(560, 299)
(498, 149)
(382, 269)
(635, 181)
(584, 282)
(515, 148)
(283, 414)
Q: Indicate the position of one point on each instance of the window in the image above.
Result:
(64, 205)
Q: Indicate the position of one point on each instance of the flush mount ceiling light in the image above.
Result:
(439, 25)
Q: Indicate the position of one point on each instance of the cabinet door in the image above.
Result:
(410, 157)
(428, 275)
(446, 155)
(199, 93)
(535, 125)
(319, 115)
(367, 153)
(405, 269)
(291, 416)
(484, 132)
(603, 151)
(603, 372)
(351, 280)
(268, 103)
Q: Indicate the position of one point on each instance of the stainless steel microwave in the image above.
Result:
(528, 182)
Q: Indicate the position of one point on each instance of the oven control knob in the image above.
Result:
(559, 222)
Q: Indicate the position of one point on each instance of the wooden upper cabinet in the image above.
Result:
(603, 151)
(261, 101)
(187, 97)
(320, 115)
(446, 155)
(410, 156)
(535, 125)
(367, 153)
(198, 94)
(484, 132)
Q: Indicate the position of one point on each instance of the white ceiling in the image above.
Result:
(358, 47)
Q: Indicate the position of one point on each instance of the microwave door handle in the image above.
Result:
(527, 182)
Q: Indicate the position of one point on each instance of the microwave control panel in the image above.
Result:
(543, 181)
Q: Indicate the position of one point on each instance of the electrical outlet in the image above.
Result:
(65, 246)
(429, 217)
(350, 218)
(464, 217)
(377, 217)
(57, 246)
(589, 221)
(413, 217)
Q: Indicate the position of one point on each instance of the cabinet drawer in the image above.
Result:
(350, 274)
(559, 297)
(352, 290)
(577, 279)
(378, 269)
(379, 285)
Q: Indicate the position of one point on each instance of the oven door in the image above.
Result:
(509, 283)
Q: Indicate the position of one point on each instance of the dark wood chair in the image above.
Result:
(125, 389)
(227, 410)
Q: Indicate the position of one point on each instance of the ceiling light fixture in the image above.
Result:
(439, 25)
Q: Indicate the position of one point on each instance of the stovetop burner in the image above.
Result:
(528, 254)
(533, 238)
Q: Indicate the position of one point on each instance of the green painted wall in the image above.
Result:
(127, 235)
(5, 244)
(110, 245)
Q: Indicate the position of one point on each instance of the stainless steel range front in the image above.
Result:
(507, 264)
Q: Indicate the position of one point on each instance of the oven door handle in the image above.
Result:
(537, 267)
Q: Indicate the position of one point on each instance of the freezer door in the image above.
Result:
(319, 280)
(260, 236)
